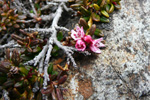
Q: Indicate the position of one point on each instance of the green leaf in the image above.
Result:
(111, 8)
(104, 13)
(55, 51)
(97, 32)
(23, 70)
(37, 6)
(26, 58)
(50, 68)
(75, 6)
(86, 18)
(107, 7)
(84, 11)
(55, 73)
(96, 7)
(99, 2)
(60, 36)
(104, 19)
(31, 11)
(95, 17)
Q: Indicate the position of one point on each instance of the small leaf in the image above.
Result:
(15, 57)
(84, 11)
(55, 73)
(55, 51)
(96, 7)
(31, 11)
(83, 23)
(60, 36)
(37, 5)
(59, 94)
(97, 32)
(50, 68)
(8, 54)
(85, 2)
(102, 3)
(75, 6)
(108, 1)
(111, 8)
(86, 18)
(62, 79)
(90, 22)
(26, 58)
(104, 19)
(8, 83)
(107, 6)
(92, 29)
(16, 92)
(95, 17)
(5, 66)
(104, 13)
(23, 70)
(24, 95)
(99, 2)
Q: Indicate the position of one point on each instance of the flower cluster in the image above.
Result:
(82, 41)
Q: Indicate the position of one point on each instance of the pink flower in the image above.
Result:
(80, 45)
(88, 38)
(78, 33)
(96, 44)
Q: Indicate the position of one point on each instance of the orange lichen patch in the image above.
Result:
(58, 61)
(85, 88)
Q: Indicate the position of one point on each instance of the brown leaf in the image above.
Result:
(5, 66)
(62, 79)
(8, 54)
(59, 94)
(15, 57)
(48, 90)
(92, 29)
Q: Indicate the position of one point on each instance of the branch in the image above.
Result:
(11, 44)
(5, 95)
(49, 4)
(32, 5)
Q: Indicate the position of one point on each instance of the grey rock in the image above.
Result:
(122, 71)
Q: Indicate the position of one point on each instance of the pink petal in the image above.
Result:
(80, 45)
(98, 43)
(102, 45)
(88, 39)
(95, 49)
(78, 28)
(74, 35)
(80, 31)
(98, 40)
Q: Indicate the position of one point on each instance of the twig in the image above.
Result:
(11, 44)
(5, 95)
(32, 5)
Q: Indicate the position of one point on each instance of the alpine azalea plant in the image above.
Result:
(83, 41)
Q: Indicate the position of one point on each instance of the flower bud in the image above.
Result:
(88, 39)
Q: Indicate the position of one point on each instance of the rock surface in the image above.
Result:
(122, 71)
